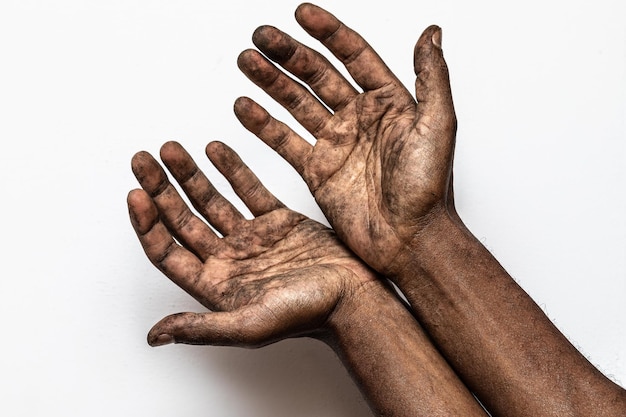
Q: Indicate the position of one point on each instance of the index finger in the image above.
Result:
(359, 58)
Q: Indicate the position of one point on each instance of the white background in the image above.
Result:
(540, 92)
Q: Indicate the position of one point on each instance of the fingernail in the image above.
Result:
(436, 38)
(162, 339)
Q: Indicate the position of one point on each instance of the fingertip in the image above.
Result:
(160, 339)
(262, 35)
(275, 44)
(240, 58)
(133, 201)
(138, 156)
(186, 328)
(258, 34)
(171, 151)
(164, 330)
(242, 106)
(316, 21)
(215, 150)
(170, 146)
(213, 146)
(307, 11)
(251, 115)
(139, 160)
(160, 334)
(134, 195)
(246, 60)
(300, 10)
(436, 36)
(223, 158)
(177, 160)
(431, 36)
(147, 170)
(428, 55)
(142, 211)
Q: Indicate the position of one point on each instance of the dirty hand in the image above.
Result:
(381, 164)
(278, 275)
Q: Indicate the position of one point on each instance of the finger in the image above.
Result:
(177, 263)
(432, 85)
(245, 184)
(294, 97)
(191, 231)
(361, 61)
(237, 328)
(216, 209)
(308, 65)
(275, 134)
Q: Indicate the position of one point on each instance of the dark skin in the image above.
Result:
(282, 275)
(392, 154)
(381, 171)
(251, 268)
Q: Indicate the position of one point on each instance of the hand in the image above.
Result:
(278, 275)
(381, 165)
(381, 170)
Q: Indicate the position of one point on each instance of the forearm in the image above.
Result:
(499, 341)
(393, 361)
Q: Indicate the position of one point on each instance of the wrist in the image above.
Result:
(390, 357)
(441, 236)
(359, 303)
(486, 325)
(364, 312)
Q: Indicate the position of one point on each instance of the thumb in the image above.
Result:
(432, 85)
(237, 328)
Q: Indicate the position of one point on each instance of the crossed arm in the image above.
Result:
(381, 170)
(282, 275)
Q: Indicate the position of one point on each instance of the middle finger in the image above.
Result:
(216, 209)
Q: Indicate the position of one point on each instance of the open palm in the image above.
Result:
(277, 275)
(382, 161)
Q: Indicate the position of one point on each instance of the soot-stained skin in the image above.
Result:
(381, 170)
(277, 275)
(382, 160)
